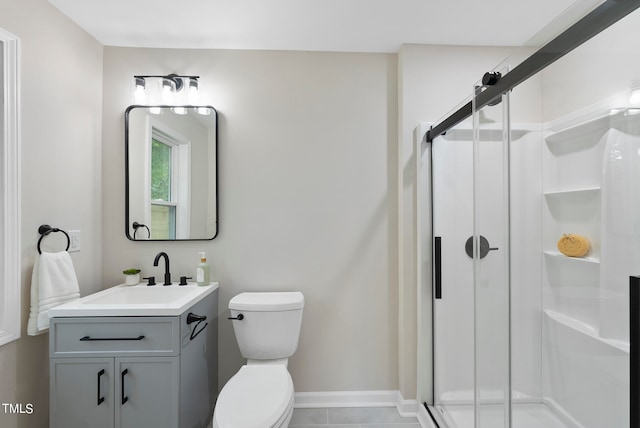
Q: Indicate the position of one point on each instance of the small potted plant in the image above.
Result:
(131, 276)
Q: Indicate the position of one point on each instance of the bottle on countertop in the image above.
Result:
(202, 271)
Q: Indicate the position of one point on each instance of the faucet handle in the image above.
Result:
(152, 280)
(183, 280)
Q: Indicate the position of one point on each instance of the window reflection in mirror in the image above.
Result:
(171, 173)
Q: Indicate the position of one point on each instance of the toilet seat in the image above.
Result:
(258, 396)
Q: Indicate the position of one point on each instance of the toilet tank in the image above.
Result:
(270, 324)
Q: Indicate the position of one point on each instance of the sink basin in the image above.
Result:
(140, 295)
(137, 300)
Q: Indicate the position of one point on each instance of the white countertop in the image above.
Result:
(135, 300)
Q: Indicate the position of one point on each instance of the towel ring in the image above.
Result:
(45, 230)
(137, 226)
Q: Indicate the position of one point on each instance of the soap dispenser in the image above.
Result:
(202, 271)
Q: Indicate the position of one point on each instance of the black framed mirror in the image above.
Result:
(171, 173)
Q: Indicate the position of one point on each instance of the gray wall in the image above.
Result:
(305, 193)
(613, 54)
(61, 76)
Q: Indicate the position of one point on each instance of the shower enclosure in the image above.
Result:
(523, 335)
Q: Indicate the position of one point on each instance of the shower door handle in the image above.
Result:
(437, 267)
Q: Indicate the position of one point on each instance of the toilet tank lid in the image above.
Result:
(267, 301)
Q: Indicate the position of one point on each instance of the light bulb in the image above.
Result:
(193, 92)
(167, 92)
(139, 93)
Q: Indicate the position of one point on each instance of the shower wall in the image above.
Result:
(590, 189)
(591, 186)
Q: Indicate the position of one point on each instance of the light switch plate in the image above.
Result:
(75, 236)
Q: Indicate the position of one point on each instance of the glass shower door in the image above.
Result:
(489, 247)
(471, 304)
(452, 175)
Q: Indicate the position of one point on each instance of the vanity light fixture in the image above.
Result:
(168, 90)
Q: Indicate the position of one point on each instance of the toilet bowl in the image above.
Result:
(260, 394)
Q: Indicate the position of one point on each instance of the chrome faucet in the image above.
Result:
(167, 274)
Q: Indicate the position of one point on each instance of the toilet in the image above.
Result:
(260, 394)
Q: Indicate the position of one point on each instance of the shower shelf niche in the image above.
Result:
(581, 179)
(587, 191)
(577, 260)
(572, 203)
(570, 130)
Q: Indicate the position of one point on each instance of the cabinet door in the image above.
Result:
(147, 392)
(81, 393)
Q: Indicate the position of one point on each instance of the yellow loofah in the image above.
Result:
(572, 245)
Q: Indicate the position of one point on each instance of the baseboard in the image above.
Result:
(356, 399)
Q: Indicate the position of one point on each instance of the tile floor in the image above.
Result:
(351, 417)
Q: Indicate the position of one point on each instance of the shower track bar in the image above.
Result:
(605, 15)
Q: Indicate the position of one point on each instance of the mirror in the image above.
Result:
(171, 173)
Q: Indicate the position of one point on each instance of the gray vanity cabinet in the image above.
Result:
(134, 372)
(133, 385)
(76, 392)
(89, 392)
(151, 389)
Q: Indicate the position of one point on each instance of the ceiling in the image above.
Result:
(313, 25)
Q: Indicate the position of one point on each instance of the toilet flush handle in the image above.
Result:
(240, 317)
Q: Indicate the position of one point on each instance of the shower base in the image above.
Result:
(525, 415)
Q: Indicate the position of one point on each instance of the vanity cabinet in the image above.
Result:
(120, 392)
(75, 384)
(134, 372)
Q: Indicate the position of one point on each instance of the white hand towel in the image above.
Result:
(53, 282)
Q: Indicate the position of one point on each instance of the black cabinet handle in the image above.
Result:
(95, 339)
(122, 375)
(100, 399)
(437, 265)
